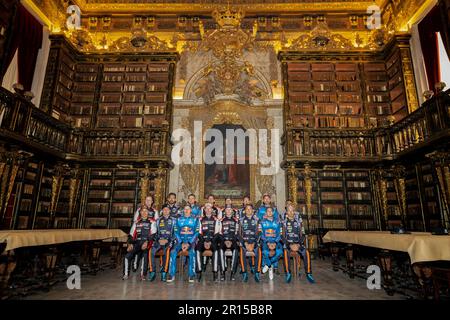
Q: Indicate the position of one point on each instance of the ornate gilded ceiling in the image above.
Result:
(176, 25)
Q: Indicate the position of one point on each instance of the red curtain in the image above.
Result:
(27, 37)
(428, 29)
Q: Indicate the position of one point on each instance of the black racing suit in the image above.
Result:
(164, 231)
(248, 233)
(209, 227)
(229, 229)
(293, 234)
(142, 231)
(174, 210)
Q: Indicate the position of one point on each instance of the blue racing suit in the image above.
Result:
(164, 231)
(186, 230)
(269, 232)
(196, 211)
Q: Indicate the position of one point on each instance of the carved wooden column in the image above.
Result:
(74, 188)
(10, 161)
(381, 185)
(58, 173)
(403, 44)
(160, 185)
(308, 194)
(145, 175)
(441, 165)
(292, 184)
(400, 190)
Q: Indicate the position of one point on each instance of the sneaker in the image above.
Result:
(222, 276)
(171, 279)
(232, 278)
(257, 277)
(152, 276)
(310, 278)
(244, 277)
(163, 276)
(191, 279)
(271, 273)
(265, 269)
(288, 277)
(125, 277)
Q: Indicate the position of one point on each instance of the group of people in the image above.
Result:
(254, 238)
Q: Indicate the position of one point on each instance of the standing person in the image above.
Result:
(196, 212)
(207, 240)
(153, 214)
(229, 204)
(270, 251)
(248, 236)
(293, 240)
(164, 239)
(245, 201)
(228, 240)
(149, 205)
(171, 202)
(140, 239)
(186, 232)
(283, 215)
(267, 203)
(215, 210)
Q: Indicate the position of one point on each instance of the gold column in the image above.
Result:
(381, 184)
(308, 193)
(292, 184)
(402, 42)
(74, 188)
(9, 166)
(400, 190)
(160, 185)
(57, 181)
(145, 183)
(441, 161)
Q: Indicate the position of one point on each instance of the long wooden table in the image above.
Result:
(26, 238)
(422, 248)
(51, 241)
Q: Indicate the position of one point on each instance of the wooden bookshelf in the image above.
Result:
(359, 200)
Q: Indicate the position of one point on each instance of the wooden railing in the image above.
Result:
(426, 125)
(20, 120)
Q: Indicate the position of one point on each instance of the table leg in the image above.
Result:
(350, 262)
(7, 265)
(385, 259)
(114, 254)
(335, 256)
(95, 256)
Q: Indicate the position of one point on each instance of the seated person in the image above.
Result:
(186, 230)
(207, 240)
(139, 240)
(228, 240)
(269, 231)
(293, 240)
(248, 230)
(163, 240)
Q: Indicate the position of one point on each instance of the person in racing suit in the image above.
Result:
(196, 211)
(270, 250)
(172, 204)
(293, 241)
(267, 203)
(216, 212)
(163, 240)
(248, 236)
(139, 240)
(228, 240)
(207, 240)
(186, 231)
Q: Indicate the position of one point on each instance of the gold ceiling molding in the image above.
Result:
(206, 6)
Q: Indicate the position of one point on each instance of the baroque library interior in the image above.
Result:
(226, 150)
